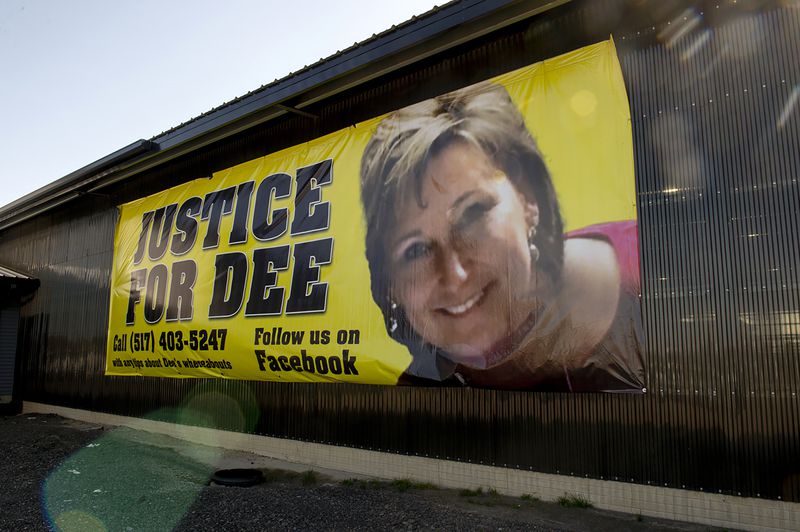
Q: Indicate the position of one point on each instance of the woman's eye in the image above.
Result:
(415, 251)
(474, 212)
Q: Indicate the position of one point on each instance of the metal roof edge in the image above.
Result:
(13, 274)
(392, 41)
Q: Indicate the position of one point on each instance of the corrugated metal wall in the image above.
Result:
(717, 144)
(9, 316)
(714, 103)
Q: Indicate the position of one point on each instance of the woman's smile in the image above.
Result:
(470, 303)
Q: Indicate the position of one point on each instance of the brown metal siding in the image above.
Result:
(717, 162)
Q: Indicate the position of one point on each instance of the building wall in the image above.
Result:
(716, 125)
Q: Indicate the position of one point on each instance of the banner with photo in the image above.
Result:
(486, 237)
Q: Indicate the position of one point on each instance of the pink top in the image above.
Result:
(624, 238)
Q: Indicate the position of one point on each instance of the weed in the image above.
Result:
(573, 501)
(309, 478)
(530, 498)
(401, 484)
(471, 493)
(639, 518)
(492, 492)
(358, 483)
(404, 484)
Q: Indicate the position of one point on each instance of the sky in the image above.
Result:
(80, 79)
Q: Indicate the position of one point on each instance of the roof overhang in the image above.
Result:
(421, 37)
(15, 286)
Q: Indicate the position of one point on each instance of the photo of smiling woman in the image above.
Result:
(470, 264)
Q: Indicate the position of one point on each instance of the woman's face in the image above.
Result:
(461, 262)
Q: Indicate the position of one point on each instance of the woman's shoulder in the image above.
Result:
(623, 237)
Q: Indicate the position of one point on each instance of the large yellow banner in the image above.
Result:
(485, 237)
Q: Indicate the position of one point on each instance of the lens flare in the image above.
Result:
(789, 107)
(77, 521)
(583, 103)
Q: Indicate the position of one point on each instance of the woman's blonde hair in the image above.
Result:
(394, 163)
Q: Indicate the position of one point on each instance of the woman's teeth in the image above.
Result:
(468, 304)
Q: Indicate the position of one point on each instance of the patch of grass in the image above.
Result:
(530, 498)
(569, 500)
(309, 478)
(401, 484)
(405, 484)
(471, 493)
(363, 484)
(490, 497)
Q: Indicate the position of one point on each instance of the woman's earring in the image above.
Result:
(392, 319)
(534, 249)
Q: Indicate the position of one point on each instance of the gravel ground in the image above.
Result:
(64, 474)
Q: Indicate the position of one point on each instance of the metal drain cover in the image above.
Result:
(238, 477)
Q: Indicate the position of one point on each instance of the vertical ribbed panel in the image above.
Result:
(716, 142)
(9, 316)
(716, 130)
